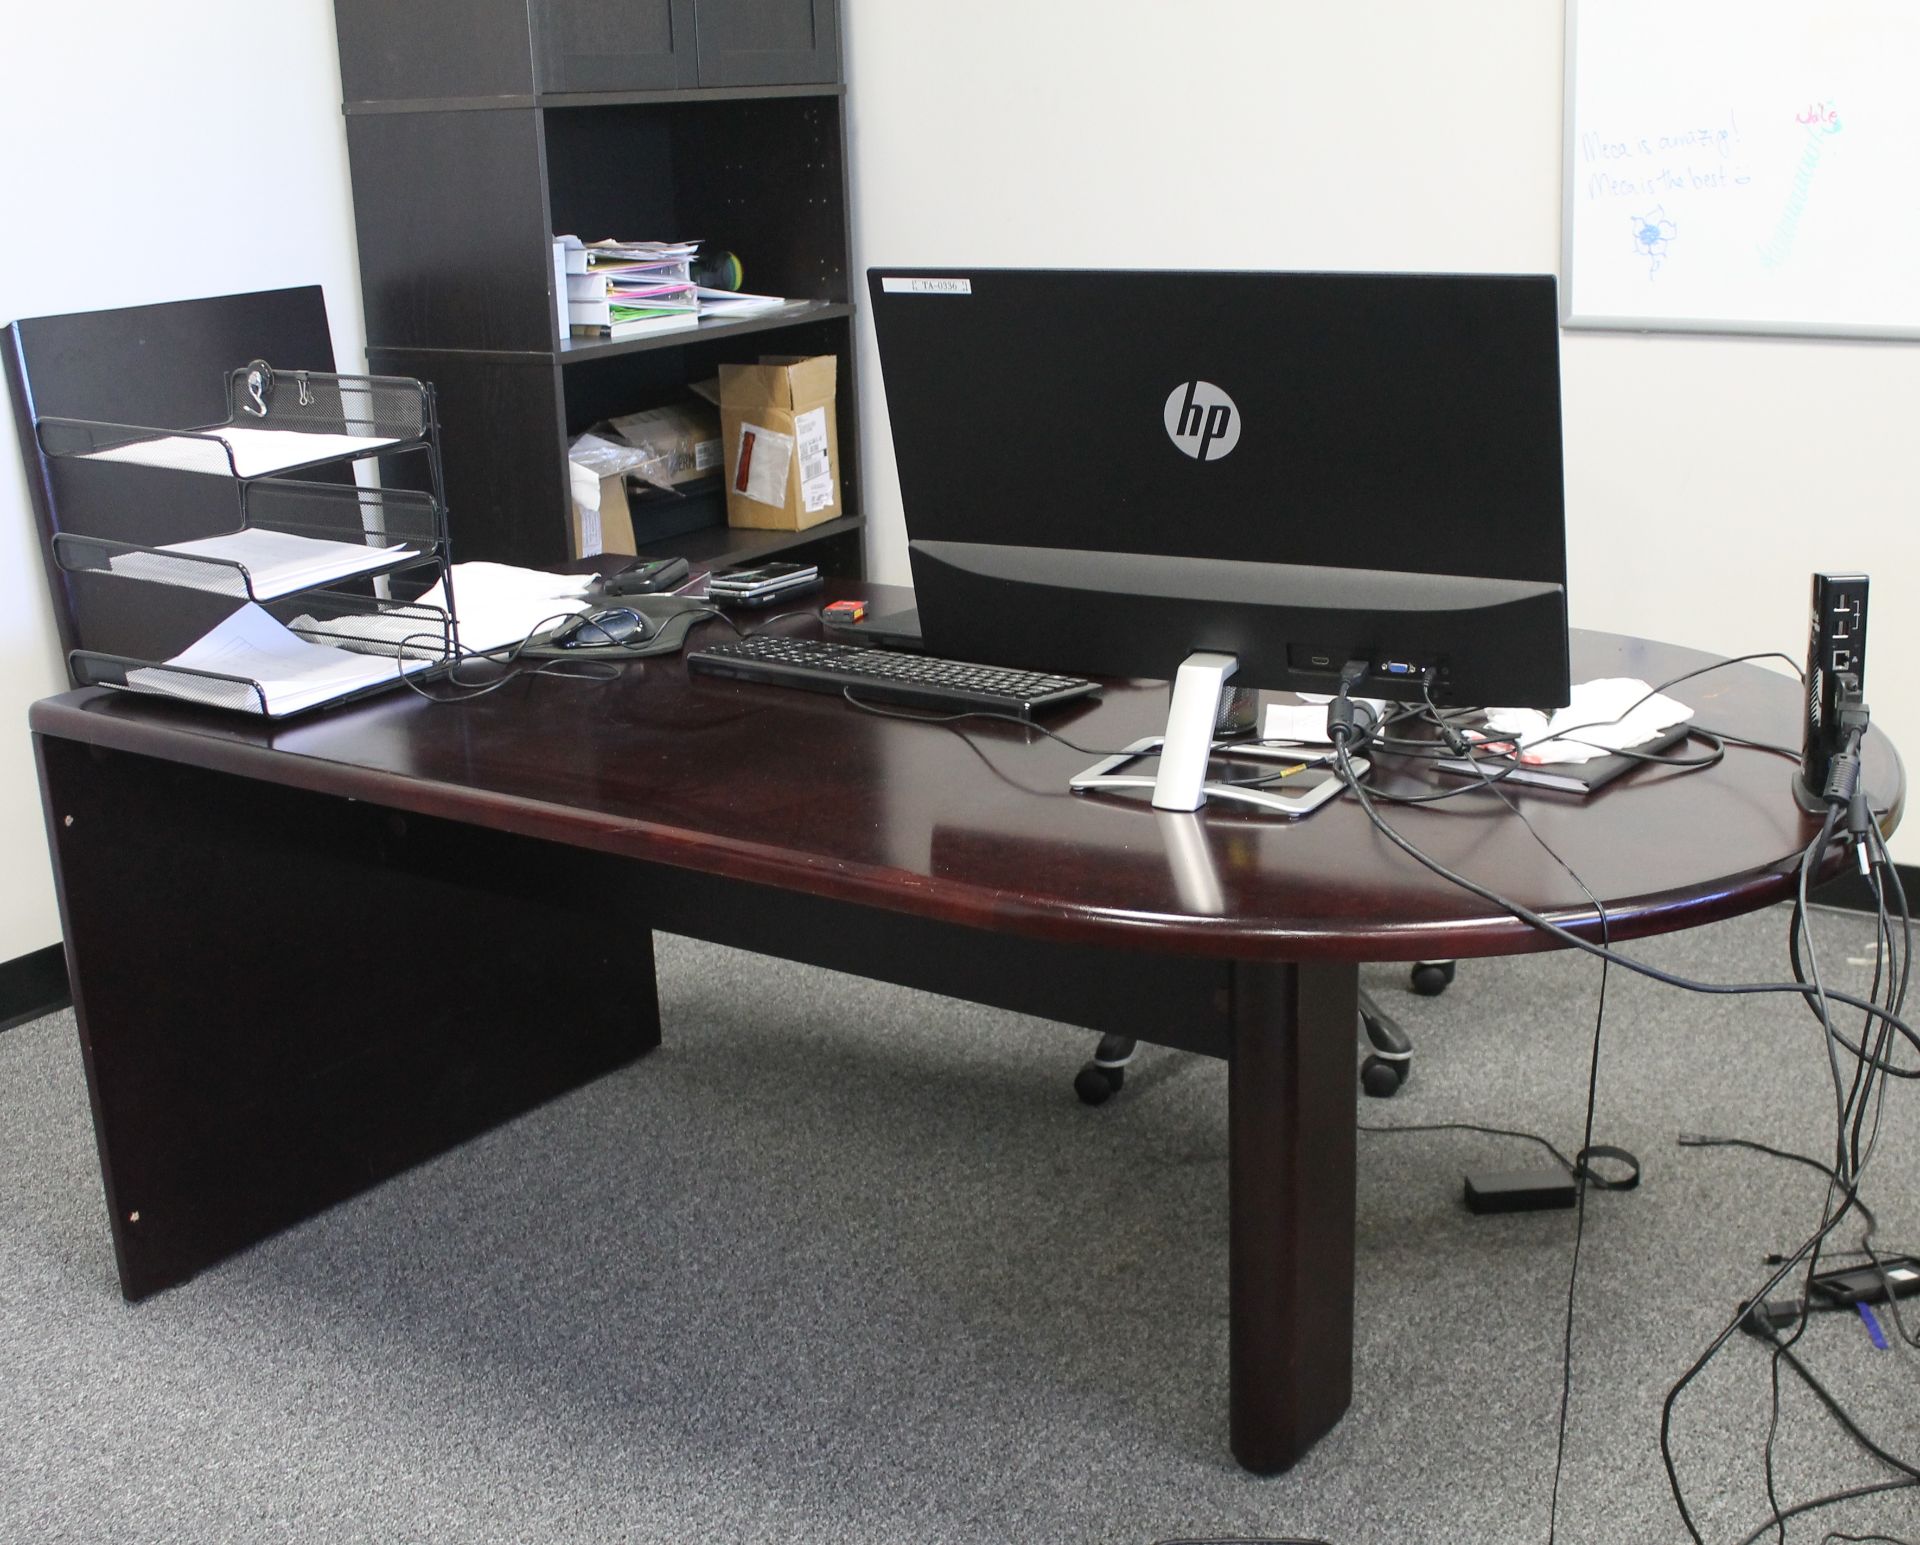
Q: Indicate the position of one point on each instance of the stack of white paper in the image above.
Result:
(407, 630)
(735, 303)
(500, 605)
(277, 563)
(292, 674)
(256, 452)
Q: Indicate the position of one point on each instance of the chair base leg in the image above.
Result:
(1390, 1063)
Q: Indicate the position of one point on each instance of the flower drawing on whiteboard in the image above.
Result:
(1652, 235)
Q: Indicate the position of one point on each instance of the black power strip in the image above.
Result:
(1836, 661)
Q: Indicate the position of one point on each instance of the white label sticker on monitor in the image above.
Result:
(892, 285)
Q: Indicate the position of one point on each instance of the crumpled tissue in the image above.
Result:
(1612, 713)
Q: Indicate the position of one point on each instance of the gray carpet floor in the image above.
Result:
(845, 1262)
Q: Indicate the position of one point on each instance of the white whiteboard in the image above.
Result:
(1743, 166)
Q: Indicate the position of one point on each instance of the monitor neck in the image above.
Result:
(1181, 783)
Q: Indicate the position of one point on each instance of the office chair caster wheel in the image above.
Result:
(1096, 1085)
(1432, 977)
(1391, 1058)
(1100, 1080)
(1382, 1077)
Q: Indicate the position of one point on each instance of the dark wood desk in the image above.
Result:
(307, 956)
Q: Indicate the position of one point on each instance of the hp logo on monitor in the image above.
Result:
(1202, 420)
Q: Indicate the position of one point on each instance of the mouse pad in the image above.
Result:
(669, 619)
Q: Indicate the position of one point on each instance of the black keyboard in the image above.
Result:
(886, 675)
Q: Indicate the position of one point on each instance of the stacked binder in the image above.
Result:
(622, 289)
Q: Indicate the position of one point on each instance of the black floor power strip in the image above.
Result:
(1519, 1190)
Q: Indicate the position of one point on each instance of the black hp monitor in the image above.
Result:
(1264, 477)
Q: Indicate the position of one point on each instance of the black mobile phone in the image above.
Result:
(761, 574)
(646, 577)
(758, 598)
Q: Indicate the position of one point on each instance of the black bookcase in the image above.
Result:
(477, 130)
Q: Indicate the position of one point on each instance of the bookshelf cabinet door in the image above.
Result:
(768, 42)
(640, 45)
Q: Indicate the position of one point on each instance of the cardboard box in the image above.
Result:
(610, 528)
(682, 441)
(782, 443)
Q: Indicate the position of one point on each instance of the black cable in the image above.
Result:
(1346, 735)
(923, 716)
(1581, 1173)
(1532, 919)
(1866, 1093)
(584, 668)
(1839, 1412)
(1467, 1126)
(1580, 1178)
(1752, 745)
(765, 622)
(929, 716)
(1370, 738)
(1808, 1251)
(1885, 874)
(1815, 848)
(1578, 1168)
(507, 656)
(1698, 1140)
(1832, 1497)
(1715, 738)
(1652, 692)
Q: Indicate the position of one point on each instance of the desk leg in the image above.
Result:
(1291, 1191)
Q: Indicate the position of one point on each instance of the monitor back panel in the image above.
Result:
(1400, 422)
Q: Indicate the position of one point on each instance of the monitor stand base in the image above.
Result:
(1181, 782)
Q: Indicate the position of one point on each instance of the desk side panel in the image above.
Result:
(284, 998)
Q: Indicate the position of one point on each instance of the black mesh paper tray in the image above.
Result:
(395, 520)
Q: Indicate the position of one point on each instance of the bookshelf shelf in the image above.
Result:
(724, 121)
(571, 349)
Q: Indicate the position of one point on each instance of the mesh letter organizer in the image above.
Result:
(360, 572)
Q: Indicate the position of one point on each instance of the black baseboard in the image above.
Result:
(1852, 892)
(33, 985)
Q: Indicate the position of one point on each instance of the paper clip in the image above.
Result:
(259, 387)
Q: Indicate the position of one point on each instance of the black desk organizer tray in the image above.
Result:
(358, 416)
(345, 419)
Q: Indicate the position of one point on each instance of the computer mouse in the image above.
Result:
(602, 629)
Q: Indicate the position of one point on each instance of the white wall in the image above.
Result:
(154, 153)
(1707, 477)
